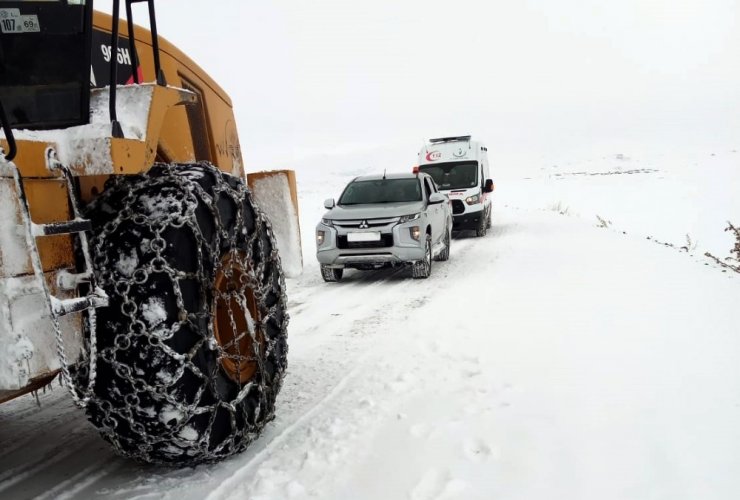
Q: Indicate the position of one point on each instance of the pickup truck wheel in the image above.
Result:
(423, 268)
(331, 274)
(192, 348)
(445, 253)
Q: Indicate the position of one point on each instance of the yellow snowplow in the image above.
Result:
(134, 261)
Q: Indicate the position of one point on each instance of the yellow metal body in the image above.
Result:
(174, 138)
(170, 133)
(169, 137)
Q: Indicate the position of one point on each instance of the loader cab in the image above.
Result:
(45, 62)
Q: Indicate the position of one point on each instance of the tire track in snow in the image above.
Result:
(226, 488)
(43, 417)
(13, 476)
(77, 483)
(367, 301)
(56, 454)
(364, 326)
(52, 443)
(85, 483)
(258, 472)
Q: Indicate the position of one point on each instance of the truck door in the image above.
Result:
(436, 214)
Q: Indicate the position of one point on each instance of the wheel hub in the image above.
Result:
(236, 317)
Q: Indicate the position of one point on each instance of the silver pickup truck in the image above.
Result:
(385, 220)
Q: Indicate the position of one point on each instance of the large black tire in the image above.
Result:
(445, 253)
(184, 374)
(331, 274)
(482, 226)
(423, 268)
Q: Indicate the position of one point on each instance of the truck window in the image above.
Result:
(428, 188)
(197, 118)
(453, 175)
(381, 191)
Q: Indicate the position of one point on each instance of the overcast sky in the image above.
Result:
(326, 75)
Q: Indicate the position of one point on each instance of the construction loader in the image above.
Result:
(134, 262)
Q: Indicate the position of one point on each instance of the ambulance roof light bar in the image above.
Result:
(450, 139)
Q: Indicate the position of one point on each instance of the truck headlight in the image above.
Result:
(408, 218)
(320, 235)
(327, 222)
(472, 200)
(415, 232)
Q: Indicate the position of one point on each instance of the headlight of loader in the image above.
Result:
(472, 200)
(408, 218)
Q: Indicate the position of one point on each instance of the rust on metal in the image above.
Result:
(232, 327)
(33, 385)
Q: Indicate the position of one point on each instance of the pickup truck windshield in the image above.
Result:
(381, 191)
(453, 175)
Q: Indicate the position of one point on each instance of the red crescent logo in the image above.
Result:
(434, 155)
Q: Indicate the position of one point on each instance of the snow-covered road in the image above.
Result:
(550, 359)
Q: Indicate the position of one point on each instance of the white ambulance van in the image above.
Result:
(460, 168)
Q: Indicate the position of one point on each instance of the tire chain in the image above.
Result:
(148, 447)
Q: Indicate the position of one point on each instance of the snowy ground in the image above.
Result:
(550, 359)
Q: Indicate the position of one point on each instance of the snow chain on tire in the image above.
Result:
(185, 256)
(423, 268)
(331, 275)
(444, 255)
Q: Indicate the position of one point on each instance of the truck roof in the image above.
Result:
(450, 139)
(376, 177)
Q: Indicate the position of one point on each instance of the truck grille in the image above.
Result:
(386, 240)
(365, 223)
(458, 207)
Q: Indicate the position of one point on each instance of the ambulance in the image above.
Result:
(460, 168)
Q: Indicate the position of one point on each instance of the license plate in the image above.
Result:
(11, 22)
(367, 236)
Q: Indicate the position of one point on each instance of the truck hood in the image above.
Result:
(380, 211)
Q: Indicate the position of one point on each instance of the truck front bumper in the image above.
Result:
(467, 220)
(350, 258)
(334, 251)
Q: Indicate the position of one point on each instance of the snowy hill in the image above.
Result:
(558, 357)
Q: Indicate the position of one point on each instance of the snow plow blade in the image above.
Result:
(276, 194)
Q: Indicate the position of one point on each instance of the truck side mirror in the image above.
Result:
(489, 186)
(435, 198)
(329, 203)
